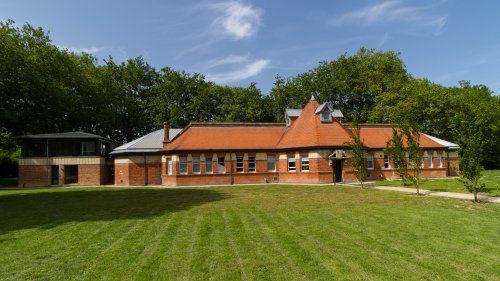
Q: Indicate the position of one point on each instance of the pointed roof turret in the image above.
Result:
(309, 131)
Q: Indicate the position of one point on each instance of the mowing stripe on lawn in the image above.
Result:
(163, 224)
(98, 262)
(234, 246)
(172, 260)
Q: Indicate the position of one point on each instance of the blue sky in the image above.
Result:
(239, 42)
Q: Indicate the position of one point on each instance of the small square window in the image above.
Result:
(326, 116)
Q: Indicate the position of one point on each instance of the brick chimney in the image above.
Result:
(166, 133)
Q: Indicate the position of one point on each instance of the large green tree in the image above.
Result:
(351, 83)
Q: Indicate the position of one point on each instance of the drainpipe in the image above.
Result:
(145, 170)
(448, 163)
(231, 166)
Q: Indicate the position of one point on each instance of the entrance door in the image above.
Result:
(54, 175)
(338, 170)
(71, 174)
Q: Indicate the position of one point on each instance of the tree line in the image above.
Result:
(44, 88)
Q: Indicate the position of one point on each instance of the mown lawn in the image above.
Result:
(491, 178)
(250, 233)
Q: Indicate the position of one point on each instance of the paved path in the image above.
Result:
(465, 196)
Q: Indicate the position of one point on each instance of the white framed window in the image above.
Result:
(169, 166)
(221, 165)
(431, 161)
(183, 165)
(326, 116)
(196, 165)
(387, 162)
(271, 163)
(422, 162)
(291, 164)
(370, 164)
(440, 161)
(304, 163)
(208, 166)
(239, 164)
(251, 164)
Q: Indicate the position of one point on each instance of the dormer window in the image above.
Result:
(326, 117)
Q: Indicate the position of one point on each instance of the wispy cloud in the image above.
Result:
(231, 59)
(91, 50)
(249, 69)
(236, 19)
(393, 11)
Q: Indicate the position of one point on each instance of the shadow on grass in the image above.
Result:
(48, 209)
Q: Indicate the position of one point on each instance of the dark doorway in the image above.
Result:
(71, 174)
(54, 178)
(337, 170)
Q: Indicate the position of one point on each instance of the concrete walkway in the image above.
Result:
(464, 196)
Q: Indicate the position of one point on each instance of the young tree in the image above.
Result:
(358, 151)
(470, 158)
(412, 137)
(475, 130)
(397, 151)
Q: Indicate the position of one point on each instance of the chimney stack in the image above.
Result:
(166, 133)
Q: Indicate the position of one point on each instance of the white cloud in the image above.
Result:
(393, 11)
(232, 59)
(237, 20)
(248, 70)
(91, 50)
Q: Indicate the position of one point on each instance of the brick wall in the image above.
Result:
(40, 175)
(93, 174)
(121, 174)
(319, 170)
(132, 171)
(34, 175)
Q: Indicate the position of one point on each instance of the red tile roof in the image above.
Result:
(309, 131)
(306, 131)
(227, 136)
(377, 137)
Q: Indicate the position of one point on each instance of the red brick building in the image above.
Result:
(139, 162)
(65, 158)
(309, 148)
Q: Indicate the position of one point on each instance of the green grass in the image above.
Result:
(8, 182)
(490, 177)
(251, 233)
